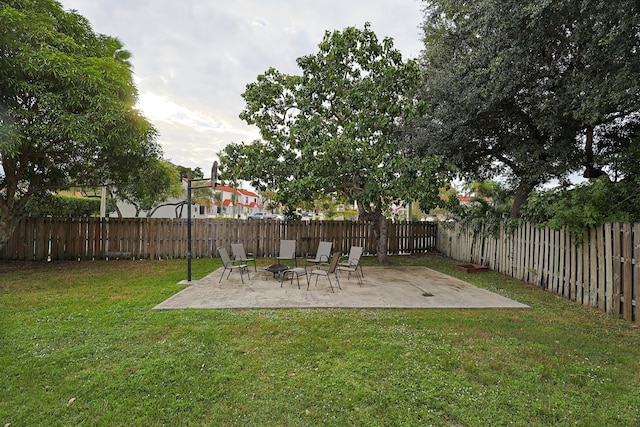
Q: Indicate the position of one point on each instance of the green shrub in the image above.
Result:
(62, 206)
(596, 202)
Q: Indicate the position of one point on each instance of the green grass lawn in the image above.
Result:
(81, 345)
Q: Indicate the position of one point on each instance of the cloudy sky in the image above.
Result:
(193, 58)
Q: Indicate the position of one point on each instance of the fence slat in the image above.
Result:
(627, 275)
(608, 262)
(593, 269)
(600, 261)
(573, 283)
(617, 269)
(636, 273)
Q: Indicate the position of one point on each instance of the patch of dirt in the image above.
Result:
(11, 266)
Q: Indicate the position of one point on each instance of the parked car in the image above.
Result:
(261, 215)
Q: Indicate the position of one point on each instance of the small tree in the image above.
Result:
(149, 188)
(332, 130)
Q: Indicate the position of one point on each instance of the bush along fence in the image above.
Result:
(42, 239)
(600, 269)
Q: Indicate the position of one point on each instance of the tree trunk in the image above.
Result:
(8, 223)
(590, 171)
(382, 227)
(380, 230)
(520, 197)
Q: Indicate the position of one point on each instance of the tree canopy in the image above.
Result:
(333, 129)
(531, 90)
(67, 115)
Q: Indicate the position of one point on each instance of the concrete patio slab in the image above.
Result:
(382, 287)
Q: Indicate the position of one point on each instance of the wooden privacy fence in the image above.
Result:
(600, 269)
(159, 238)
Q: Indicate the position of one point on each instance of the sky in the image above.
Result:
(192, 59)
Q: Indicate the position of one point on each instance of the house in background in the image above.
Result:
(227, 202)
(246, 202)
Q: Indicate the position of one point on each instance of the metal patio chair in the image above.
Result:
(352, 263)
(237, 249)
(331, 269)
(230, 265)
(322, 254)
(287, 252)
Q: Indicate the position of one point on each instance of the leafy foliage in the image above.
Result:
(148, 188)
(67, 115)
(487, 209)
(47, 204)
(592, 203)
(333, 129)
(186, 172)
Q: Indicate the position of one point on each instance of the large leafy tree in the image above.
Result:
(333, 130)
(67, 115)
(531, 90)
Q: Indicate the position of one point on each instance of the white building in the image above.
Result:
(246, 202)
(231, 203)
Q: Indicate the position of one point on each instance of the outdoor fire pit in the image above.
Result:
(276, 269)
